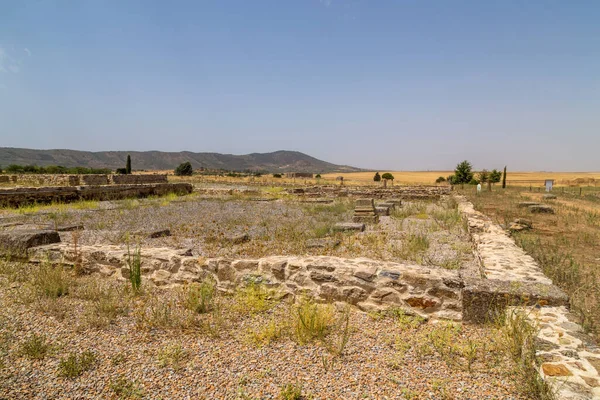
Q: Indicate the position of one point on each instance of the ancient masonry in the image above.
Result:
(364, 211)
(506, 277)
(570, 359)
(14, 197)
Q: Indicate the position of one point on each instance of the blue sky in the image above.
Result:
(399, 85)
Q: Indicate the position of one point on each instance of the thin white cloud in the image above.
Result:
(26, 50)
(326, 3)
(7, 63)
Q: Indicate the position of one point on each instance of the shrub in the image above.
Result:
(35, 347)
(276, 175)
(121, 171)
(318, 176)
(254, 298)
(135, 268)
(377, 177)
(312, 321)
(291, 391)
(75, 364)
(172, 356)
(184, 169)
(265, 334)
(126, 389)
(441, 179)
(199, 297)
(51, 281)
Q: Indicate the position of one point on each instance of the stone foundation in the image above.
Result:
(77, 180)
(14, 197)
(368, 284)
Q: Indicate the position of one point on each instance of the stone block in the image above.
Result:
(385, 211)
(17, 242)
(483, 300)
(349, 226)
(367, 203)
(371, 219)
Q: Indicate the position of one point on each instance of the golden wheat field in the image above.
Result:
(513, 178)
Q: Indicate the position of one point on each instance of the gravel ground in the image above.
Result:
(386, 357)
(423, 233)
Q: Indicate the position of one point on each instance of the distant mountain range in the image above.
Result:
(278, 161)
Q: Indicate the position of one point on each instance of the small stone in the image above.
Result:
(555, 370)
(366, 273)
(595, 363)
(570, 326)
(593, 382)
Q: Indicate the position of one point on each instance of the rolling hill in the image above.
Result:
(278, 161)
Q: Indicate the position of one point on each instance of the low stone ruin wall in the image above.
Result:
(137, 179)
(368, 284)
(77, 180)
(14, 197)
(399, 192)
(570, 360)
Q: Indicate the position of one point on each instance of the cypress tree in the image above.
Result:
(504, 178)
(128, 166)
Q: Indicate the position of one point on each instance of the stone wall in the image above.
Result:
(76, 180)
(368, 284)
(137, 179)
(93, 179)
(13, 197)
(45, 179)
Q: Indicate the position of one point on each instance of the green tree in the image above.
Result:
(377, 177)
(440, 179)
(463, 173)
(388, 177)
(495, 176)
(484, 176)
(184, 169)
(504, 178)
(128, 165)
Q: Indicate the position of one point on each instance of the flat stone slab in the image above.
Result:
(16, 242)
(323, 201)
(324, 243)
(68, 228)
(367, 203)
(541, 209)
(525, 204)
(349, 226)
(368, 219)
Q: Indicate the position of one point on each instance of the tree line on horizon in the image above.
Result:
(464, 174)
